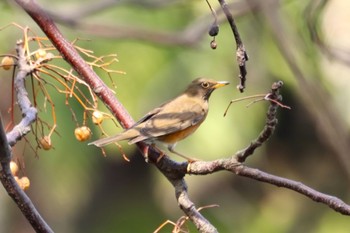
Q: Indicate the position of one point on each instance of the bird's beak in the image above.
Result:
(220, 84)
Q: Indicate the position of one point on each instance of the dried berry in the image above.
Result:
(24, 183)
(82, 133)
(7, 62)
(45, 143)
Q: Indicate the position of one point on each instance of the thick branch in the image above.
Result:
(175, 172)
(17, 194)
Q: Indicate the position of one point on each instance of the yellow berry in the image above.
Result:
(40, 53)
(7, 62)
(45, 143)
(24, 183)
(82, 133)
(14, 168)
(97, 117)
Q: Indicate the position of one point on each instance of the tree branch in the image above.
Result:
(333, 202)
(29, 113)
(187, 206)
(174, 171)
(241, 54)
(270, 125)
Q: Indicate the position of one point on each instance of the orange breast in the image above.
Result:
(179, 135)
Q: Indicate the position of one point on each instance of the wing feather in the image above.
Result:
(173, 118)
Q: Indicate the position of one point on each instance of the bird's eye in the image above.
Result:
(205, 84)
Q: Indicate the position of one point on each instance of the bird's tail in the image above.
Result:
(126, 135)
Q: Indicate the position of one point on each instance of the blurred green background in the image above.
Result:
(76, 189)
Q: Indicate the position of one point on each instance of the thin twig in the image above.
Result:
(28, 111)
(271, 122)
(241, 54)
(331, 201)
(242, 98)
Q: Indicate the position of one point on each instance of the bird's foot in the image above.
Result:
(161, 155)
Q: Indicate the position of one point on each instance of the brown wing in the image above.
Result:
(170, 118)
(132, 134)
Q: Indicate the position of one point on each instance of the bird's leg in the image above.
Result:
(146, 150)
(171, 149)
(145, 153)
(161, 153)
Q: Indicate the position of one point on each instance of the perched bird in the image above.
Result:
(173, 120)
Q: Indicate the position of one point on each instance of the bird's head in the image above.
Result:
(204, 87)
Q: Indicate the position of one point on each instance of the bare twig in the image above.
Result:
(270, 125)
(179, 225)
(231, 164)
(202, 224)
(28, 111)
(331, 201)
(241, 54)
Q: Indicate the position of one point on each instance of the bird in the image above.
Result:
(173, 120)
